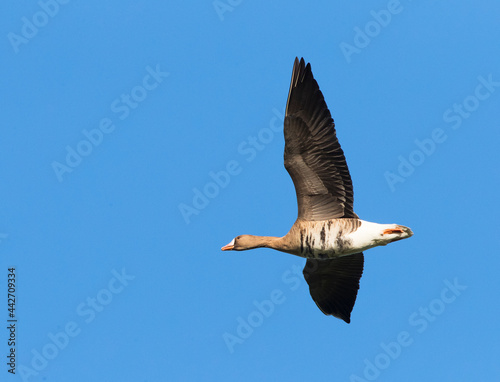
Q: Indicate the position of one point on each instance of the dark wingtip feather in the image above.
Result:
(313, 156)
(334, 284)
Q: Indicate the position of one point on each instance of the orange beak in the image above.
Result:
(228, 247)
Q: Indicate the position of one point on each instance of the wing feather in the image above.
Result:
(313, 156)
(334, 283)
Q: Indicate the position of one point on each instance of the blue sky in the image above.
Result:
(137, 139)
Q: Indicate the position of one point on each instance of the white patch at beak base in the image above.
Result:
(229, 246)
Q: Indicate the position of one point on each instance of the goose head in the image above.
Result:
(244, 242)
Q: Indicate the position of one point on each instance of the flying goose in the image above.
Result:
(327, 232)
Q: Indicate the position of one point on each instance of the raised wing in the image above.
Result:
(334, 283)
(313, 156)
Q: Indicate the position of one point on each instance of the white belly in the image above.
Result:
(339, 237)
